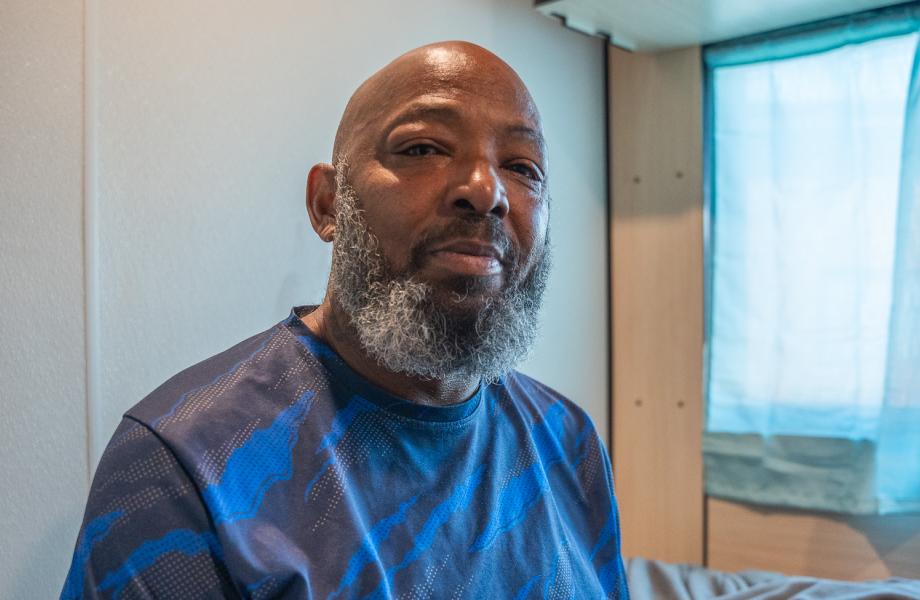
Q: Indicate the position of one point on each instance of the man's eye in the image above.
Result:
(525, 170)
(420, 150)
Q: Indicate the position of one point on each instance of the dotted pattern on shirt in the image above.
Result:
(147, 497)
(525, 459)
(295, 371)
(214, 461)
(590, 466)
(317, 382)
(175, 575)
(135, 432)
(266, 590)
(202, 399)
(562, 587)
(154, 466)
(528, 455)
(211, 467)
(503, 401)
(367, 434)
(458, 593)
(310, 376)
(425, 589)
(307, 364)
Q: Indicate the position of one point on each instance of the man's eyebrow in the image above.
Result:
(531, 133)
(424, 111)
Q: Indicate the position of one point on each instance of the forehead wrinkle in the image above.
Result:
(437, 108)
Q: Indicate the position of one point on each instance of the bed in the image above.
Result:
(652, 579)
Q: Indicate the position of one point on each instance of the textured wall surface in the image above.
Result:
(204, 118)
(42, 415)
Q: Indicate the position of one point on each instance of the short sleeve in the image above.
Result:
(146, 532)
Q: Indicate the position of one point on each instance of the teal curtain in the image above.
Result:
(813, 266)
(899, 429)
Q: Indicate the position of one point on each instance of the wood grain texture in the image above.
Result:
(657, 296)
(817, 545)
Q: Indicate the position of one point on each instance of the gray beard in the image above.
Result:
(401, 323)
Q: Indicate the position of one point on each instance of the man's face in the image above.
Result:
(451, 177)
(441, 256)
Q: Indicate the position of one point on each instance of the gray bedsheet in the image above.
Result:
(655, 580)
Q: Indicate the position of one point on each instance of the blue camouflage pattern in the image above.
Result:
(273, 470)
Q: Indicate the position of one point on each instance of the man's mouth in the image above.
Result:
(467, 257)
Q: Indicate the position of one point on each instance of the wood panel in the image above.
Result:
(657, 297)
(818, 545)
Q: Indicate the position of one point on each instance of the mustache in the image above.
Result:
(486, 229)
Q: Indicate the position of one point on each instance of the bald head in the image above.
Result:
(430, 70)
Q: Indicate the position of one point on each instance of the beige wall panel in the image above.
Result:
(656, 171)
(818, 545)
(43, 464)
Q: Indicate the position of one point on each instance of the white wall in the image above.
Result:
(42, 414)
(201, 122)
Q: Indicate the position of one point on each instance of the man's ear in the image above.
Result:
(321, 200)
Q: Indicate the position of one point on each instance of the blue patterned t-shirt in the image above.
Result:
(273, 470)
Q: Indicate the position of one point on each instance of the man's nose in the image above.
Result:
(481, 190)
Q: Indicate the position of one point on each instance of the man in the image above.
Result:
(379, 445)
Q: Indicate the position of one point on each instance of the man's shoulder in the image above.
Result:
(248, 378)
(538, 398)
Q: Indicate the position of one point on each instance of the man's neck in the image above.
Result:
(332, 325)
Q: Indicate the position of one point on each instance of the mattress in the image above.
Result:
(652, 579)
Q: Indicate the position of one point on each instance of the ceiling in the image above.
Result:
(652, 25)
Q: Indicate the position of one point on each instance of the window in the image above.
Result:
(811, 142)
